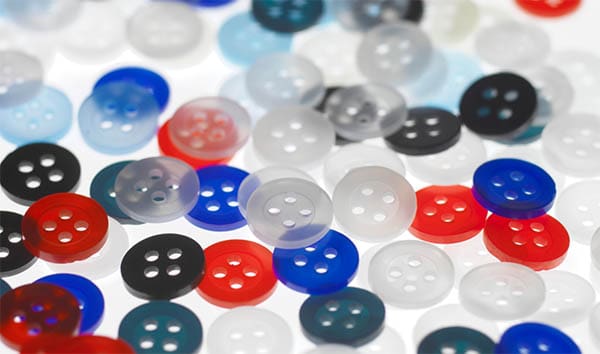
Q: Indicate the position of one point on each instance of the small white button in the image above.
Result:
(388, 341)
(595, 324)
(21, 77)
(578, 208)
(555, 92)
(583, 70)
(332, 349)
(42, 15)
(595, 249)
(467, 255)
(450, 21)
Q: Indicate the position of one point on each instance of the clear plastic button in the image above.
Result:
(583, 70)
(21, 77)
(578, 208)
(42, 15)
(450, 22)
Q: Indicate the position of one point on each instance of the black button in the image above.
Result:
(36, 170)
(340, 141)
(426, 131)
(163, 267)
(14, 257)
(458, 340)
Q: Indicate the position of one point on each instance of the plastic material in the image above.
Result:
(578, 209)
(21, 79)
(287, 16)
(15, 257)
(363, 15)
(535, 338)
(102, 189)
(458, 339)
(549, 8)
(42, 15)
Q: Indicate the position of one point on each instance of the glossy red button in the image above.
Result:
(92, 345)
(540, 243)
(447, 214)
(64, 227)
(238, 273)
(549, 8)
(33, 311)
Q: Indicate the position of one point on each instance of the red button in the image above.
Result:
(238, 273)
(37, 310)
(93, 344)
(447, 214)
(540, 243)
(64, 227)
(549, 8)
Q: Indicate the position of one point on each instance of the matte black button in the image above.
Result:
(14, 257)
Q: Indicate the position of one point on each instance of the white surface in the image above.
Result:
(578, 209)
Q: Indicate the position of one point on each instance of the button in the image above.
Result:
(352, 156)
(102, 189)
(249, 330)
(36, 310)
(366, 111)
(42, 15)
(534, 156)
(332, 349)
(395, 53)
(64, 227)
(499, 106)
(594, 323)
(426, 131)
(430, 81)
(89, 297)
(22, 77)
(450, 22)
(4, 287)
(161, 327)
(118, 118)
(502, 291)
(322, 268)
(287, 16)
(514, 188)
(217, 207)
(571, 144)
(236, 90)
(351, 316)
(547, 8)
(45, 117)
(293, 136)
(157, 189)
(578, 208)
(411, 274)
(151, 81)
(457, 339)
(92, 345)
(535, 338)
(289, 213)
(163, 266)
(467, 255)
(389, 341)
(374, 204)
(14, 257)
(38, 47)
(285, 79)
(242, 40)
(577, 64)
(447, 214)
(238, 273)
(364, 15)
(208, 3)
(595, 249)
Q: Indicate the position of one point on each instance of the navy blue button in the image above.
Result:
(91, 301)
(4, 287)
(461, 340)
(102, 190)
(535, 338)
(208, 3)
(146, 78)
(351, 316)
(325, 267)
(514, 188)
(217, 207)
(287, 16)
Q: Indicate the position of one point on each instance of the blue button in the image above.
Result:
(208, 3)
(287, 16)
(514, 188)
(91, 301)
(458, 339)
(535, 338)
(102, 190)
(325, 267)
(148, 79)
(4, 287)
(217, 207)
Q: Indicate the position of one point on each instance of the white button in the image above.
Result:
(362, 275)
(583, 70)
(555, 92)
(595, 249)
(535, 156)
(467, 255)
(411, 274)
(38, 45)
(450, 21)
(595, 324)
(234, 88)
(578, 208)
(42, 15)
(332, 349)
(21, 77)
(374, 204)
(502, 291)
(388, 341)
(249, 330)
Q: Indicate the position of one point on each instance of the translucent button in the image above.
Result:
(595, 249)
(293, 136)
(39, 45)
(287, 16)
(374, 204)
(284, 79)
(578, 208)
(430, 81)
(365, 14)
(332, 349)
(42, 15)
(451, 21)
(467, 255)
(502, 291)
(395, 53)
(235, 89)
(595, 323)
(21, 77)
(157, 189)
(583, 70)
(388, 341)
(411, 274)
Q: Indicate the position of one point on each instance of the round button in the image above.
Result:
(322, 268)
(578, 208)
(374, 204)
(535, 338)
(163, 267)
(37, 310)
(14, 256)
(102, 189)
(161, 327)
(4, 287)
(351, 316)
(450, 22)
(238, 273)
(157, 189)
(534, 156)
(502, 291)
(39, 47)
(577, 64)
(388, 341)
(549, 8)
(332, 349)
(500, 106)
(283, 79)
(42, 15)
(457, 339)
(363, 15)
(595, 248)
(395, 53)
(594, 323)
(208, 3)
(89, 344)
(21, 79)
(64, 227)
(235, 89)
(249, 330)
(217, 207)
(447, 214)
(467, 255)
(287, 16)
(366, 111)
(429, 82)
(411, 274)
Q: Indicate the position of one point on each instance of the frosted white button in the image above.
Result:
(467, 255)
(388, 341)
(453, 166)
(571, 143)
(595, 249)
(352, 156)
(583, 70)
(21, 77)
(450, 21)
(42, 15)
(374, 204)
(535, 156)
(249, 330)
(362, 275)
(332, 349)
(502, 291)
(394, 53)
(293, 136)
(578, 209)
(235, 89)
(555, 92)
(595, 324)
(40, 45)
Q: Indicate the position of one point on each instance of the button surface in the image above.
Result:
(578, 208)
(102, 189)
(388, 341)
(14, 257)
(235, 89)
(42, 15)
(467, 255)
(4, 287)
(458, 339)
(163, 267)
(595, 249)
(450, 22)
(366, 14)
(594, 323)
(332, 349)
(21, 79)
(535, 338)
(577, 64)
(549, 8)
(89, 344)
(287, 16)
